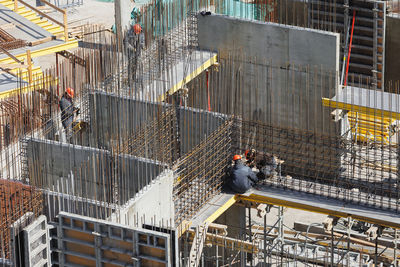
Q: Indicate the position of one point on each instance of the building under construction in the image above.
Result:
(144, 178)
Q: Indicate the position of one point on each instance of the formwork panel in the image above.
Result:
(37, 243)
(109, 244)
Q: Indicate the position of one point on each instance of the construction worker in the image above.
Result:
(250, 156)
(242, 177)
(134, 42)
(68, 111)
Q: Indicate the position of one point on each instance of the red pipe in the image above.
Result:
(208, 92)
(351, 40)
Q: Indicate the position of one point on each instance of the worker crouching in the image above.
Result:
(242, 177)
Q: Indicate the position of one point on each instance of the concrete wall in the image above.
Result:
(75, 170)
(275, 72)
(277, 75)
(153, 206)
(114, 117)
(87, 172)
(392, 48)
(279, 43)
(135, 174)
(195, 125)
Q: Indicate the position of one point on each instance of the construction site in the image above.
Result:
(142, 175)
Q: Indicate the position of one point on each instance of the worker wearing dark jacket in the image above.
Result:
(67, 111)
(243, 178)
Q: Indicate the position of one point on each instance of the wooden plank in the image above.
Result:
(41, 41)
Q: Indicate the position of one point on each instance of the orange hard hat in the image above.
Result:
(70, 92)
(237, 157)
(137, 28)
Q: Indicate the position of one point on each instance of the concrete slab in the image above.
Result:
(9, 82)
(182, 72)
(24, 29)
(213, 208)
(313, 203)
(39, 50)
(372, 102)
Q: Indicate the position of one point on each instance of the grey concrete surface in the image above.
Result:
(392, 48)
(177, 72)
(113, 115)
(195, 125)
(154, 205)
(283, 73)
(279, 43)
(23, 29)
(88, 172)
(9, 82)
(377, 100)
(134, 174)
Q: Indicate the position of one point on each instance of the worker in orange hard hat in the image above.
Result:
(242, 177)
(137, 29)
(70, 92)
(68, 111)
(133, 44)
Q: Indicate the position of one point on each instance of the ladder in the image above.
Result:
(198, 243)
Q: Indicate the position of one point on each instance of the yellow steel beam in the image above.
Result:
(190, 77)
(316, 208)
(362, 109)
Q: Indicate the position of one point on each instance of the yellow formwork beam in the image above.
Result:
(42, 52)
(228, 242)
(190, 77)
(362, 109)
(314, 208)
(221, 210)
(28, 88)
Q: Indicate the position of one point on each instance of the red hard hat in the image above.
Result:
(246, 152)
(137, 29)
(70, 92)
(237, 157)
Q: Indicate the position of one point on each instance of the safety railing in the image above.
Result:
(63, 24)
(19, 64)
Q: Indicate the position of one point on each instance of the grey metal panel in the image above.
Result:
(15, 231)
(107, 242)
(37, 243)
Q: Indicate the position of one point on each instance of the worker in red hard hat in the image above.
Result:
(68, 111)
(242, 177)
